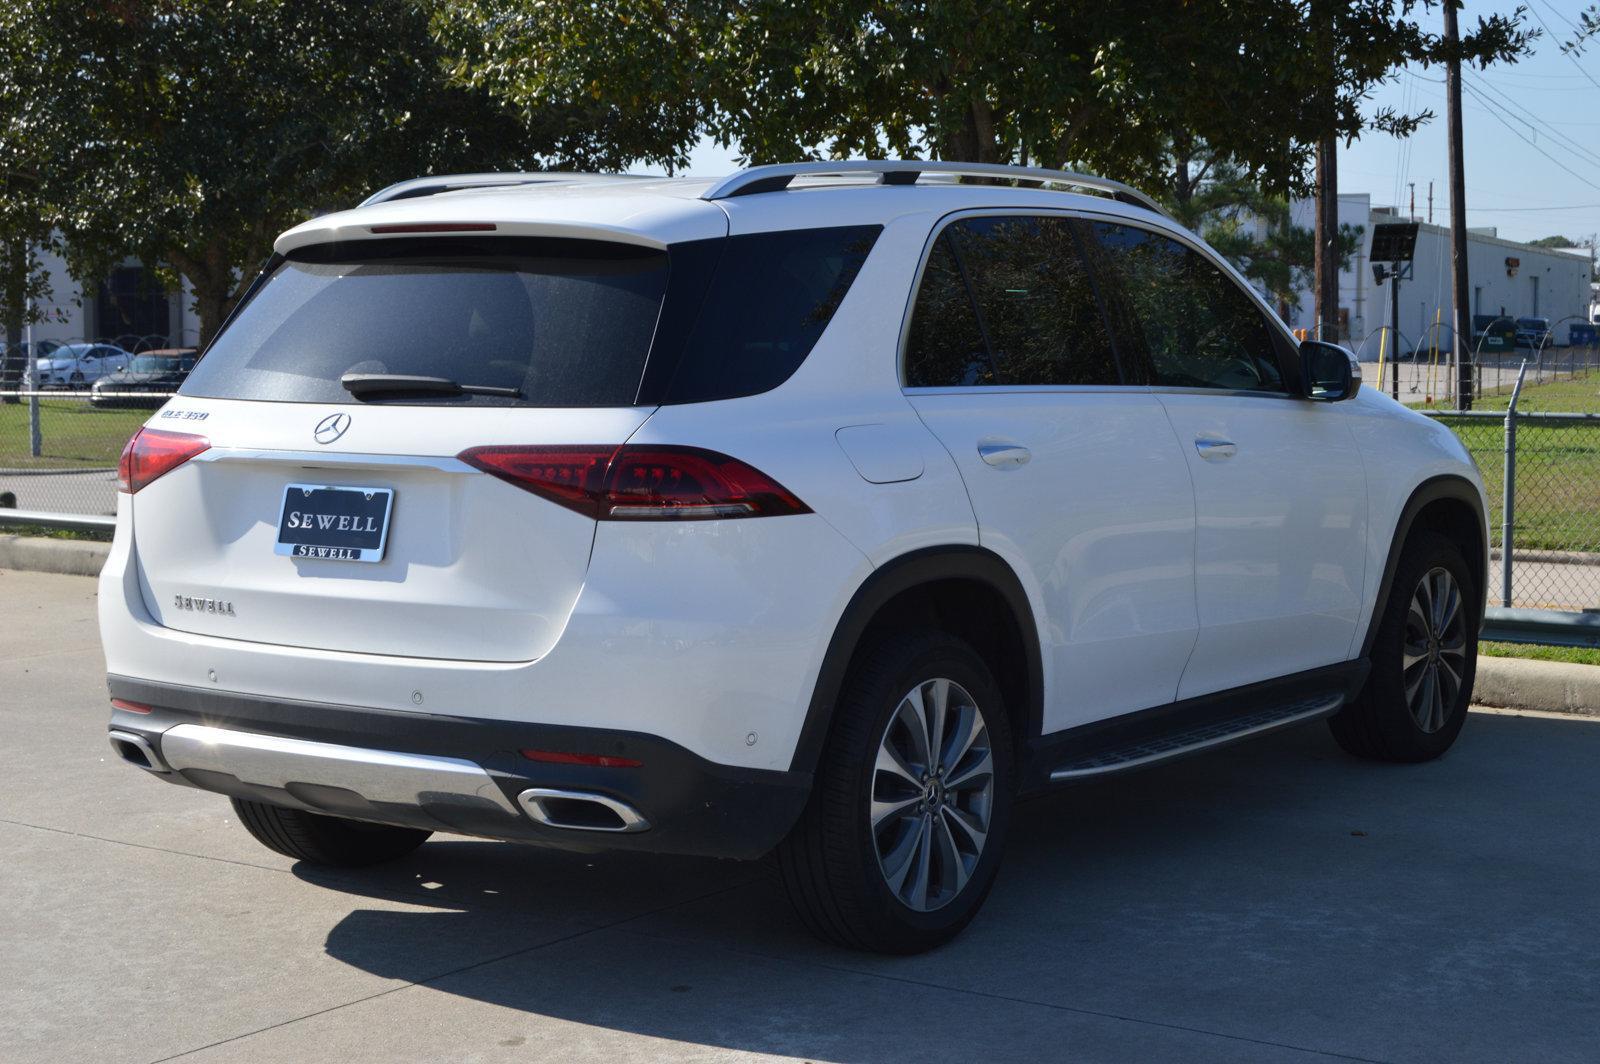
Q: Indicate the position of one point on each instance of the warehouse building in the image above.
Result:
(1507, 279)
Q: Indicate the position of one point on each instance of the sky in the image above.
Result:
(1531, 133)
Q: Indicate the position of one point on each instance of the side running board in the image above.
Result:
(1150, 750)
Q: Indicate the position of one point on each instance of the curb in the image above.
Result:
(1546, 686)
(73, 557)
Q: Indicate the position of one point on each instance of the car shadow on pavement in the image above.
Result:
(1268, 892)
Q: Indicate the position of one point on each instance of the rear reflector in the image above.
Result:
(152, 454)
(437, 227)
(555, 757)
(639, 482)
(131, 707)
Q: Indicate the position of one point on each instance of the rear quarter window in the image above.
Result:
(768, 300)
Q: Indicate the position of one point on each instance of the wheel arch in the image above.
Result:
(914, 589)
(1452, 506)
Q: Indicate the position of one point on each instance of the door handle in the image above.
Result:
(1214, 449)
(1003, 455)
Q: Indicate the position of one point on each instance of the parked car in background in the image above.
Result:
(14, 361)
(147, 381)
(1533, 332)
(79, 365)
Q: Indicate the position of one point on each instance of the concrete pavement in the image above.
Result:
(76, 491)
(1273, 902)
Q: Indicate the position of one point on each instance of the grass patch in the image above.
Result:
(53, 533)
(1575, 655)
(73, 434)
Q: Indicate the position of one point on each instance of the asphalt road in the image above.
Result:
(1274, 902)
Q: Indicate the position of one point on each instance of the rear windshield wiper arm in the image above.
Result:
(374, 385)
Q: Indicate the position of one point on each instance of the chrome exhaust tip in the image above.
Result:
(580, 811)
(135, 750)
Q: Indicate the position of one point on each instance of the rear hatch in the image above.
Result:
(315, 517)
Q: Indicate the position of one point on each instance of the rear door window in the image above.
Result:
(946, 348)
(568, 323)
(1009, 300)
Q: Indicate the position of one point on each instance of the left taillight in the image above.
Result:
(152, 454)
(633, 482)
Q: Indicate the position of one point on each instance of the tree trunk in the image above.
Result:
(215, 288)
(13, 309)
(973, 141)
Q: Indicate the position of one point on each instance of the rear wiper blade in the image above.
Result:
(374, 385)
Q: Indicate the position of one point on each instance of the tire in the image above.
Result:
(325, 840)
(1388, 721)
(837, 870)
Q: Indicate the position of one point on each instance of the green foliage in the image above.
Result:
(1101, 86)
(1553, 242)
(189, 133)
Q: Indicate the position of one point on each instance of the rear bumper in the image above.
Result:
(457, 774)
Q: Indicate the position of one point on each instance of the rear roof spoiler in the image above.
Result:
(432, 186)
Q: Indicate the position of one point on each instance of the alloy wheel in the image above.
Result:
(1433, 659)
(932, 794)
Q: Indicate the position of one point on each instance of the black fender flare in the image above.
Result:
(1435, 489)
(894, 577)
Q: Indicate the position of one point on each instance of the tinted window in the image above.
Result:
(566, 322)
(1036, 302)
(945, 348)
(1196, 326)
(770, 297)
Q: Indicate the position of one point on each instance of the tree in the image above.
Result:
(1553, 242)
(1068, 82)
(188, 133)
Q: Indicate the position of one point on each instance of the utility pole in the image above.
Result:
(1430, 202)
(1411, 211)
(1458, 211)
(1326, 258)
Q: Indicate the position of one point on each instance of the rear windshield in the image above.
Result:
(572, 323)
(563, 322)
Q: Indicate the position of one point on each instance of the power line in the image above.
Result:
(1574, 59)
(1564, 207)
(1512, 106)
(1525, 139)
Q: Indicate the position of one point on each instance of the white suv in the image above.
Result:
(824, 509)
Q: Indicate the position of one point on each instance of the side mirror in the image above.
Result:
(1328, 372)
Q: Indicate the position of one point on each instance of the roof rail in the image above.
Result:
(774, 178)
(432, 186)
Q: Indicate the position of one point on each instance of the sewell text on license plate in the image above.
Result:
(333, 523)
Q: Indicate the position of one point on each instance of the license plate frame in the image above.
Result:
(319, 540)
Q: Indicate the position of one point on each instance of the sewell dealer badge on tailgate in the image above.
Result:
(334, 523)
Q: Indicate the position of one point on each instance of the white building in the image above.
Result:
(129, 305)
(1506, 279)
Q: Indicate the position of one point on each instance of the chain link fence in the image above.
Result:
(1552, 511)
(67, 407)
(59, 449)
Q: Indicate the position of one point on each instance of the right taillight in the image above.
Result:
(639, 482)
(152, 454)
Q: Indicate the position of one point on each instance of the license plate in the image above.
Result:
(333, 523)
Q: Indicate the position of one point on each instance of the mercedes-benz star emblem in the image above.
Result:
(331, 428)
